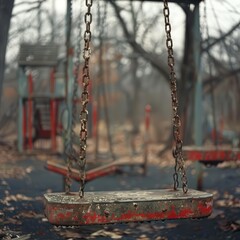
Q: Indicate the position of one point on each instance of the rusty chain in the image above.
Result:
(177, 151)
(70, 151)
(85, 97)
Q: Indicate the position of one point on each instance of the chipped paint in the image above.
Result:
(101, 208)
(211, 154)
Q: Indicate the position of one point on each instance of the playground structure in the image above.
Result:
(41, 111)
(38, 112)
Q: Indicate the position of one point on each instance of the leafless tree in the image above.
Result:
(6, 8)
(188, 73)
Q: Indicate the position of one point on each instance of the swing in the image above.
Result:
(86, 208)
(107, 168)
(211, 155)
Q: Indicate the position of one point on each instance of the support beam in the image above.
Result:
(175, 1)
(198, 111)
(21, 91)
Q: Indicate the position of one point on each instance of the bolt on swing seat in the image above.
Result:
(127, 206)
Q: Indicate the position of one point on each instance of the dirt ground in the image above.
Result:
(24, 180)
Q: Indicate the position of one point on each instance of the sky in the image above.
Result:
(219, 12)
(221, 15)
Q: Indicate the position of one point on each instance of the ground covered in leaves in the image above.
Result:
(24, 181)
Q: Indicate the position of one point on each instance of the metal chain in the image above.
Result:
(71, 153)
(177, 151)
(85, 97)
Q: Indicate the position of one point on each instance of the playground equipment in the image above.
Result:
(128, 206)
(109, 168)
(211, 155)
(117, 161)
(37, 111)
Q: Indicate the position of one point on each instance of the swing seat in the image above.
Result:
(211, 155)
(126, 206)
(90, 174)
(93, 173)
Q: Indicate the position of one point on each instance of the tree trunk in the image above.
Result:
(6, 7)
(188, 77)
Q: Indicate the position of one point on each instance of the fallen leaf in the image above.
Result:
(143, 237)
(22, 197)
(231, 202)
(70, 234)
(171, 225)
(30, 214)
(10, 209)
(145, 228)
(13, 221)
(15, 198)
(103, 233)
(24, 237)
(29, 169)
(160, 238)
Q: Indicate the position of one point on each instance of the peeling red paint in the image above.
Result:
(102, 212)
(90, 175)
(205, 208)
(195, 154)
(93, 217)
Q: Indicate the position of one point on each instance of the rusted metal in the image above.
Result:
(211, 154)
(85, 96)
(176, 121)
(126, 206)
(90, 174)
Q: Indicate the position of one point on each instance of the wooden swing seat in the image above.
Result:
(126, 206)
(211, 155)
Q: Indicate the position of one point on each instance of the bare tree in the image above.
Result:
(188, 74)
(6, 8)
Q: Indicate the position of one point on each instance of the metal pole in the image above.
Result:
(198, 109)
(146, 138)
(53, 111)
(30, 110)
(21, 87)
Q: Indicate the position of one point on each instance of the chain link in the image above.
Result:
(70, 151)
(85, 97)
(177, 151)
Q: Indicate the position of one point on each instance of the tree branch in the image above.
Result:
(148, 56)
(216, 41)
(29, 3)
(220, 78)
